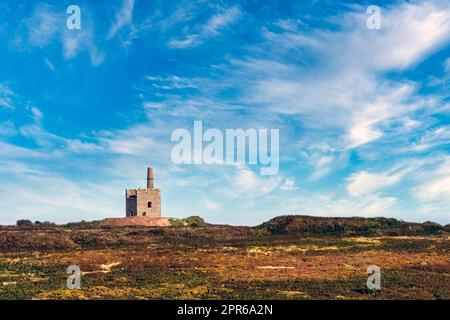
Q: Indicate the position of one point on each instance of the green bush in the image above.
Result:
(193, 221)
(24, 223)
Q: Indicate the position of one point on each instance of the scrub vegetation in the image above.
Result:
(288, 257)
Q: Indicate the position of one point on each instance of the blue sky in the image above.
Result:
(364, 115)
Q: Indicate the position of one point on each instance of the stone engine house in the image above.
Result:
(144, 202)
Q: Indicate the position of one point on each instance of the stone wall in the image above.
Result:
(131, 202)
(137, 221)
(137, 202)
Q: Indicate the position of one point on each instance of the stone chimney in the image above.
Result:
(150, 184)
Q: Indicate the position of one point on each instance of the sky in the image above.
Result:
(363, 114)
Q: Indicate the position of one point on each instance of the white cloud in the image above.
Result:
(409, 33)
(172, 82)
(346, 92)
(363, 128)
(188, 41)
(47, 196)
(288, 184)
(246, 182)
(447, 65)
(46, 24)
(75, 42)
(320, 154)
(432, 138)
(36, 113)
(43, 25)
(212, 205)
(78, 146)
(221, 20)
(7, 128)
(322, 165)
(436, 185)
(364, 182)
(124, 17)
(6, 97)
(210, 29)
(8, 151)
(184, 12)
(138, 141)
(49, 64)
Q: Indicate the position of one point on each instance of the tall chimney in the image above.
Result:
(150, 178)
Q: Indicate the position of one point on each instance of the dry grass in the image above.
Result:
(220, 262)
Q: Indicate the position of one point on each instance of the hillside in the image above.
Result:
(97, 234)
(288, 257)
(298, 225)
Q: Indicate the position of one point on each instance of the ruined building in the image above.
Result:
(144, 202)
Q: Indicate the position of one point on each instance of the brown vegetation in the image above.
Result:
(291, 257)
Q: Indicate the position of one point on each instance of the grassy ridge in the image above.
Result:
(290, 257)
(356, 226)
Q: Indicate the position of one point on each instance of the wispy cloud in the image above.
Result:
(6, 96)
(447, 65)
(432, 138)
(50, 196)
(245, 181)
(436, 185)
(212, 205)
(75, 42)
(46, 25)
(43, 25)
(49, 64)
(364, 182)
(289, 184)
(7, 128)
(210, 29)
(124, 17)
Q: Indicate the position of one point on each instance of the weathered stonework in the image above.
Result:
(144, 202)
